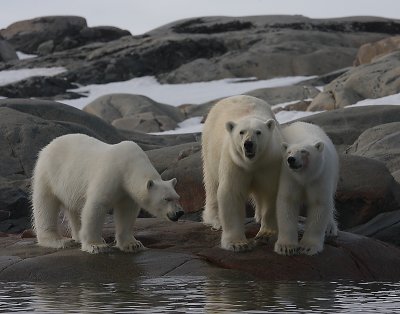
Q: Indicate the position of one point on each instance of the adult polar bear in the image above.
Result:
(241, 151)
(87, 177)
(309, 176)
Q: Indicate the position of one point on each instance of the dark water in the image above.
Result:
(201, 295)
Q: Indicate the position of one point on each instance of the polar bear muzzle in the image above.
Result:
(249, 149)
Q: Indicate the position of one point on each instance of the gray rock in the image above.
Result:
(382, 143)
(377, 79)
(365, 189)
(344, 126)
(47, 34)
(191, 249)
(219, 47)
(135, 112)
(7, 52)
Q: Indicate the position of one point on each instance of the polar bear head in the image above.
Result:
(304, 158)
(249, 137)
(161, 199)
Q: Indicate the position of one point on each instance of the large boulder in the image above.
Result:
(382, 143)
(369, 81)
(47, 34)
(135, 113)
(345, 125)
(191, 249)
(368, 52)
(7, 52)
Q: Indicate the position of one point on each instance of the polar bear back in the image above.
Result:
(87, 161)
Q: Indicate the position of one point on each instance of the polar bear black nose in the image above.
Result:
(248, 145)
(291, 160)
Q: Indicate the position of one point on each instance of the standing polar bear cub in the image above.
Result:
(86, 177)
(309, 176)
(241, 156)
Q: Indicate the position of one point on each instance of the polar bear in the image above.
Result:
(86, 177)
(309, 176)
(241, 152)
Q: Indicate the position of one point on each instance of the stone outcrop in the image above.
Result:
(370, 51)
(191, 249)
(377, 79)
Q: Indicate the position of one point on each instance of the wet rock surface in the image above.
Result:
(191, 249)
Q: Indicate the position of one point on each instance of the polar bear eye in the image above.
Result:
(258, 132)
(241, 132)
(168, 199)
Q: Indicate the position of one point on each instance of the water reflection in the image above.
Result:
(200, 295)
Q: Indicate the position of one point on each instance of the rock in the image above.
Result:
(344, 126)
(365, 190)
(382, 143)
(47, 34)
(384, 227)
(7, 52)
(184, 163)
(192, 249)
(370, 51)
(135, 112)
(213, 48)
(377, 79)
(39, 87)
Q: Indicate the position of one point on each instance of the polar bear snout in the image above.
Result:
(294, 163)
(174, 216)
(249, 149)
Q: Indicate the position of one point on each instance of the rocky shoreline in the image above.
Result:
(203, 49)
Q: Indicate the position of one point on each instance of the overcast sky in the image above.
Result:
(139, 16)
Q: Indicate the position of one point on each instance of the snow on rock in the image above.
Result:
(11, 76)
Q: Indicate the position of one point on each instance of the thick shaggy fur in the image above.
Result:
(234, 170)
(86, 177)
(309, 176)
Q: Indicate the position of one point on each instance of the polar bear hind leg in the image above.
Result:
(210, 213)
(46, 208)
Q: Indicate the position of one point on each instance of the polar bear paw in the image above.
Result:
(331, 230)
(133, 246)
(310, 247)
(58, 243)
(95, 248)
(286, 249)
(264, 236)
(241, 246)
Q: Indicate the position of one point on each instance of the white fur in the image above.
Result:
(313, 184)
(86, 177)
(230, 177)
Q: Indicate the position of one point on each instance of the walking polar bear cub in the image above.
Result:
(241, 151)
(309, 176)
(86, 178)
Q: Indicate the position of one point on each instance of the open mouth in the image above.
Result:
(295, 167)
(250, 155)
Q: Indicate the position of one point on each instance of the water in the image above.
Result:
(200, 295)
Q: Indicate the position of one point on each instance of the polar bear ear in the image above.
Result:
(319, 146)
(270, 124)
(284, 146)
(150, 184)
(173, 181)
(230, 126)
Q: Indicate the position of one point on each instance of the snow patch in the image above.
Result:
(191, 125)
(22, 56)
(387, 100)
(178, 94)
(12, 76)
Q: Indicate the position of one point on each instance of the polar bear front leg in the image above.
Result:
(319, 214)
(210, 213)
(125, 214)
(287, 216)
(231, 203)
(93, 216)
(268, 220)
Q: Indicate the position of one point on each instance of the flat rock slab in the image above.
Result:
(189, 248)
